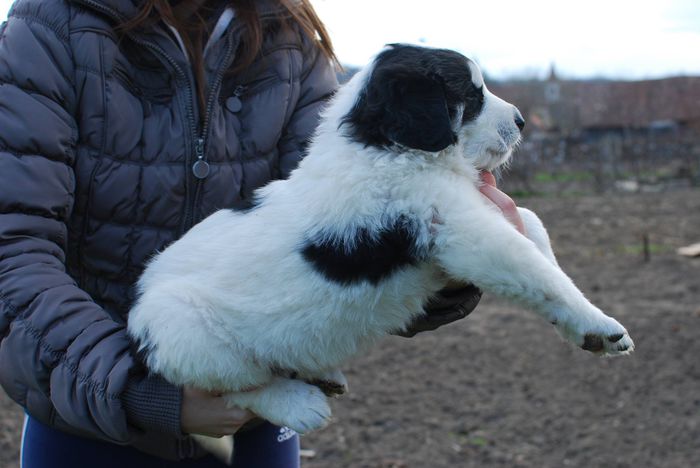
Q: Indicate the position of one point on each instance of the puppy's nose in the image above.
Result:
(519, 121)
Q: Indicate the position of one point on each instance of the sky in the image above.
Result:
(618, 39)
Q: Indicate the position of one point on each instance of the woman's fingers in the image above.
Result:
(239, 416)
(488, 178)
(501, 200)
(207, 413)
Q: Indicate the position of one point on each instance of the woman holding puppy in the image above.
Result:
(122, 124)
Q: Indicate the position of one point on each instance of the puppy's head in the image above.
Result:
(430, 99)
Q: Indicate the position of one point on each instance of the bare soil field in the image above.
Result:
(500, 389)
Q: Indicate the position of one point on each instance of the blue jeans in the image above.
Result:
(264, 446)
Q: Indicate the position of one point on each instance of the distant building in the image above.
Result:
(616, 130)
(571, 106)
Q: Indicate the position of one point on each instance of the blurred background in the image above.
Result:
(610, 90)
(610, 160)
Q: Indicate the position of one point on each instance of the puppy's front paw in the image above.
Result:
(608, 345)
(602, 335)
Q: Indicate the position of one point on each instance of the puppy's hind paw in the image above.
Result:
(331, 383)
(286, 402)
(330, 389)
(310, 414)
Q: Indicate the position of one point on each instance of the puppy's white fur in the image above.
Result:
(234, 305)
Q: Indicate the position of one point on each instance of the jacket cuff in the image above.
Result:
(152, 404)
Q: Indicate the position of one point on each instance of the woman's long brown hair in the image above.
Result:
(189, 17)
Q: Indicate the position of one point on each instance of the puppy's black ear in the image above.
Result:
(416, 114)
(400, 106)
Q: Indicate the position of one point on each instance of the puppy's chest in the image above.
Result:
(369, 251)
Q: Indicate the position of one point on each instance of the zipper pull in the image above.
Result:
(239, 91)
(234, 104)
(200, 168)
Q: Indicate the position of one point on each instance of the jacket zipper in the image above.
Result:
(200, 167)
(199, 164)
(184, 77)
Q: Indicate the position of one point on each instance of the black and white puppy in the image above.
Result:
(384, 210)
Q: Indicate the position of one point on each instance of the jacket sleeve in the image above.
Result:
(62, 356)
(318, 83)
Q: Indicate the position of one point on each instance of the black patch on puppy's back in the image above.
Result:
(371, 256)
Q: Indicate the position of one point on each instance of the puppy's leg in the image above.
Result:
(476, 244)
(286, 402)
(536, 232)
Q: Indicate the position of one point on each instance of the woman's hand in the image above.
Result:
(501, 200)
(206, 413)
(454, 302)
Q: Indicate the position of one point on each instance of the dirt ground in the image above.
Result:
(500, 389)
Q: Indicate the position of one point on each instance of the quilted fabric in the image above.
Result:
(98, 137)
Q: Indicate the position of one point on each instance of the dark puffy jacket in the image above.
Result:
(97, 142)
